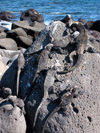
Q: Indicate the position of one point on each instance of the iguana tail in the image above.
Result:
(18, 76)
(79, 60)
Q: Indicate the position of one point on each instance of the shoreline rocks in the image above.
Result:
(31, 15)
(11, 116)
(6, 15)
(8, 43)
(49, 50)
(93, 25)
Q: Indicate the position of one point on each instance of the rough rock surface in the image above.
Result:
(2, 35)
(32, 30)
(24, 41)
(8, 43)
(82, 114)
(8, 56)
(19, 24)
(21, 37)
(16, 32)
(51, 51)
(31, 15)
(3, 68)
(45, 36)
(11, 118)
(93, 25)
(94, 40)
(94, 33)
(25, 26)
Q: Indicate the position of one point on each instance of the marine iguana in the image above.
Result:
(49, 81)
(12, 99)
(42, 60)
(81, 42)
(63, 101)
(21, 62)
(68, 20)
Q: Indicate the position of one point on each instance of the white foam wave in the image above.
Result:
(47, 22)
(6, 24)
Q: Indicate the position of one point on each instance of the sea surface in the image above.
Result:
(55, 9)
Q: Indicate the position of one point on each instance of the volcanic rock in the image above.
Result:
(33, 30)
(52, 48)
(93, 25)
(16, 32)
(2, 35)
(3, 68)
(32, 15)
(23, 41)
(8, 43)
(19, 24)
(24, 24)
(6, 15)
(11, 118)
(8, 56)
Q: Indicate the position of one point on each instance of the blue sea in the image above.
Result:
(55, 9)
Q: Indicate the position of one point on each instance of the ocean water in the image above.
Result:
(55, 9)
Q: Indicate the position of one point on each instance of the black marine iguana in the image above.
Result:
(81, 42)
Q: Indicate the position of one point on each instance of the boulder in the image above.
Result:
(23, 24)
(23, 41)
(3, 68)
(43, 39)
(33, 30)
(96, 34)
(11, 118)
(16, 32)
(3, 35)
(8, 43)
(9, 53)
(6, 15)
(31, 15)
(57, 29)
(4, 60)
(19, 24)
(94, 40)
(93, 25)
(8, 56)
(30, 37)
(89, 24)
(96, 26)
